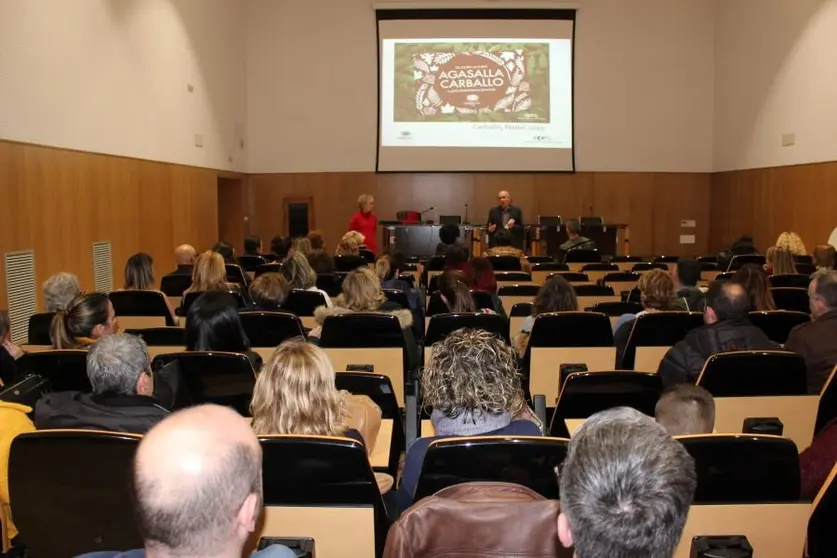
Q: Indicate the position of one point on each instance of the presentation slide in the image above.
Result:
(476, 102)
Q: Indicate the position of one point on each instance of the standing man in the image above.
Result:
(505, 216)
(365, 222)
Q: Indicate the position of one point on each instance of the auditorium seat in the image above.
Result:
(586, 393)
(789, 298)
(269, 329)
(616, 309)
(571, 276)
(174, 285)
(435, 305)
(512, 277)
(138, 309)
(625, 263)
(659, 330)
(648, 266)
(267, 268)
(161, 336)
(754, 373)
(621, 281)
(397, 296)
(821, 540)
(482, 300)
(72, 491)
(798, 280)
(329, 282)
(505, 263)
(322, 487)
(593, 290)
(827, 407)
(777, 324)
(805, 268)
(666, 259)
(517, 315)
(582, 256)
(744, 468)
(539, 259)
(349, 263)
(737, 262)
(708, 259)
(540, 271)
(213, 377)
(39, 328)
(599, 267)
(442, 325)
(66, 370)
(190, 298)
(526, 460)
(250, 263)
(518, 290)
(235, 274)
(303, 303)
(367, 255)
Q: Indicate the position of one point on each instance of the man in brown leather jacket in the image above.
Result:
(815, 341)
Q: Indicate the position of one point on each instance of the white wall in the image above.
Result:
(111, 76)
(644, 85)
(776, 73)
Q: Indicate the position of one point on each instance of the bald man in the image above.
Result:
(505, 216)
(726, 329)
(184, 255)
(197, 487)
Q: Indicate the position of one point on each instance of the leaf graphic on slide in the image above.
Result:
(517, 78)
(466, 110)
(524, 104)
(433, 97)
(504, 103)
(420, 97)
(421, 65)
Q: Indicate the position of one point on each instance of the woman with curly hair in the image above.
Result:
(472, 387)
(792, 242)
(350, 244)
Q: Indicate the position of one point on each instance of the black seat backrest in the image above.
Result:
(600, 267)
(66, 370)
(250, 262)
(790, 298)
(236, 275)
(518, 290)
(435, 305)
(821, 540)
(617, 308)
(397, 296)
(174, 285)
(442, 325)
(505, 263)
(796, 280)
(737, 262)
(267, 268)
(827, 410)
(306, 471)
(586, 393)
(483, 300)
(778, 324)
(141, 303)
(583, 256)
(361, 329)
(658, 329)
(648, 266)
(625, 259)
(666, 259)
(520, 310)
(708, 259)
(725, 276)
(72, 491)
(754, 373)
(803, 258)
(549, 266)
(349, 263)
(571, 329)
(708, 266)
(39, 328)
(329, 282)
(269, 329)
(744, 468)
(436, 263)
(303, 303)
(593, 290)
(539, 259)
(571, 276)
(190, 298)
(161, 336)
(367, 255)
(526, 460)
(509, 276)
(213, 377)
(805, 269)
(620, 277)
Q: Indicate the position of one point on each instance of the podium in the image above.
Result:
(421, 240)
(609, 238)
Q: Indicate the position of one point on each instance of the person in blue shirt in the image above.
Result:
(473, 387)
(197, 487)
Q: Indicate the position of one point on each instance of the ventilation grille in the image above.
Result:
(102, 268)
(20, 288)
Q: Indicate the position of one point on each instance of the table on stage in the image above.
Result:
(421, 239)
(610, 239)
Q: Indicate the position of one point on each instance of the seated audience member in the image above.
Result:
(87, 318)
(210, 274)
(815, 341)
(184, 257)
(769, 258)
(322, 262)
(448, 240)
(350, 244)
(686, 409)
(139, 273)
(626, 488)
(686, 276)
(483, 279)
(783, 262)
(388, 267)
(556, 295)
(503, 240)
(59, 290)
(456, 258)
(302, 245)
(280, 246)
(755, 283)
(295, 394)
(824, 255)
(317, 241)
(197, 485)
(120, 374)
(213, 324)
(742, 246)
(791, 242)
(14, 420)
(472, 387)
(269, 292)
(817, 461)
(454, 291)
(300, 275)
(727, 329)
(9, 351)
(575, 240)
(252, 246)
(226, 250)
(657, 294)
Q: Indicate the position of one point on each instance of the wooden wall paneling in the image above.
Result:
(676, 198)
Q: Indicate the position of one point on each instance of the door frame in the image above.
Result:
(287, 201)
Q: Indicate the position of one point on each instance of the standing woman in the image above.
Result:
(365, 222)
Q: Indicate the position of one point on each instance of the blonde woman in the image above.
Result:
(300, 275)
(350, 244)
(791, 242)
(210, 274)
(783, 262)
(364, 221)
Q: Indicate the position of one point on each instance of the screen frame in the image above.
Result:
(564, 14)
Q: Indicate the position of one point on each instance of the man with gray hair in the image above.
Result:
(626, 488)
(120, 375)
(59, 290)
(814, 341)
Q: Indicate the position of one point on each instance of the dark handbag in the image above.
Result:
(26, 391)
(169, 390)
